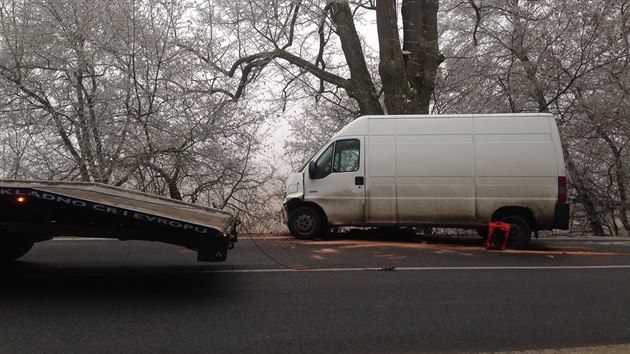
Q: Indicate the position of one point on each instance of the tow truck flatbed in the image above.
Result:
(35, 211)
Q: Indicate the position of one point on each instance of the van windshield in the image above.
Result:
(305, 165)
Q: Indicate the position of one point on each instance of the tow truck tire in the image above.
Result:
(520, 231)
(306, 223)
(11, 250)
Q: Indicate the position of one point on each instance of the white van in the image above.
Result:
(434, 170)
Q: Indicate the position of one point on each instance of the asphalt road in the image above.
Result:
(356, 294)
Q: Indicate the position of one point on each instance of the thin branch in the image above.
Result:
(478, 21)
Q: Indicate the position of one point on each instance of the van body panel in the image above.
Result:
(381, 126)
(358, 127)
(381, 191)
(444, 170)
(446, 125)
(435, 178)
(436, 200)
(517, 165)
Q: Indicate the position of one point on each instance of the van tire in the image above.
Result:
(306, 223)
(520, 231)
(11, 250)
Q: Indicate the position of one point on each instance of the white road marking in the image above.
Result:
(601, 349)
(139, 272)
(70, 238)
(359, 269)
(608, 243)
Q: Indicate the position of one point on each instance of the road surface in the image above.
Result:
(357, 294)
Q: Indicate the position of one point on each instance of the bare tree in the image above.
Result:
(100, 91)
(549, 56)
(300, 33)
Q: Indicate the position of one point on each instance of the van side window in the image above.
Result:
(324, 163)
(346, 156)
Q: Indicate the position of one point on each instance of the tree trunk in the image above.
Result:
(422, 55)
(408, 75)
(584, 197)
(400, 98)
(361, 84)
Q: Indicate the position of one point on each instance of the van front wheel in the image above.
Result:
(520, 231)
(305, 222)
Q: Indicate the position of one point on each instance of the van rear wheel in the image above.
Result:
(520, 231)
(305, 222)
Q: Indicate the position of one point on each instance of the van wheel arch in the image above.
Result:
(522, 222)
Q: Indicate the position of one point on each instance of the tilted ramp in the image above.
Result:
(108, 211)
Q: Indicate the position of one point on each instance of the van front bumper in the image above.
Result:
(284, 214)
(561, 216)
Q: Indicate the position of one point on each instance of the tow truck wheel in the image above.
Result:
(11, 250)
(305, 223)
(520, 231)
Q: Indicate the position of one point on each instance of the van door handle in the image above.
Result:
(358, 180)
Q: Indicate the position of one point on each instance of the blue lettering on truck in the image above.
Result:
(105, 209)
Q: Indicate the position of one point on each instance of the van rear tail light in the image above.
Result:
(562, 189)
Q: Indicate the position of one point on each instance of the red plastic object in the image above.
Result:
(498, 236)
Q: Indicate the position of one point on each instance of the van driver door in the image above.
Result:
(336, 181)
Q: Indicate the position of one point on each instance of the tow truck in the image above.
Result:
(36, 211)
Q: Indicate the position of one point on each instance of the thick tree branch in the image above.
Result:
(362, 90)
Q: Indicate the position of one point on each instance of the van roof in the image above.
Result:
(359, 126)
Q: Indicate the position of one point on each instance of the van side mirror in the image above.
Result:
(312, 170)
